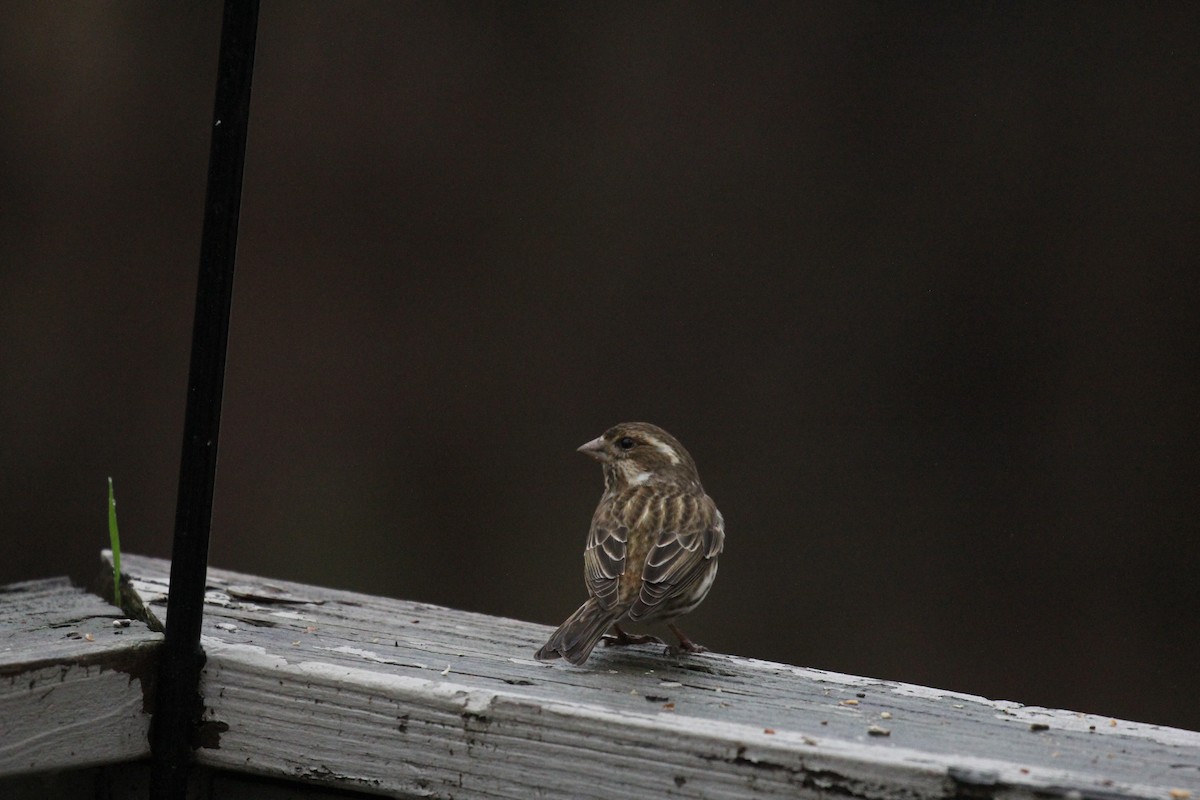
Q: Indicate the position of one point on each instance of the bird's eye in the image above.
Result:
(625, 443)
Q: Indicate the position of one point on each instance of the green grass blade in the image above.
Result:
(115, 539)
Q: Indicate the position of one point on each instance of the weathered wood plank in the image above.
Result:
(130, 780)
(397, 697)
(72, 683)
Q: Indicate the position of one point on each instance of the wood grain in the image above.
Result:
(73, 686)
(396, 697)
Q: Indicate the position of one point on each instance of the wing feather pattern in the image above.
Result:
(604, 558)
(693, 535)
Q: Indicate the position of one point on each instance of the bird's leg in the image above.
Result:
(622, 639)
(685, 645)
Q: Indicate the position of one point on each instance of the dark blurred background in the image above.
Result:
(916, 285)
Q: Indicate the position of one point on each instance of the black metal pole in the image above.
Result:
(178, 704)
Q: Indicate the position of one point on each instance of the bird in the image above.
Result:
(651, 553)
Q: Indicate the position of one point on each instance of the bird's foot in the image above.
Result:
(685, 645)
(623, 639)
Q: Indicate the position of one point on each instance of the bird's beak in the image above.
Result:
(596, 449)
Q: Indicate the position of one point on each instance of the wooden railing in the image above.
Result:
(345, 691)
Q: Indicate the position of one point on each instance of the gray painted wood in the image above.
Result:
(131, 781)
(405, 698)
(71, 681)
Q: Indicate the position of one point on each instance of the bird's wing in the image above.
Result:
(604, 558)
(681, 554)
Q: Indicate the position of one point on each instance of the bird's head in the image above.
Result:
(638, 453)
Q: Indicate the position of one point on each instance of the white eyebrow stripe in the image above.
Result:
(664, 448)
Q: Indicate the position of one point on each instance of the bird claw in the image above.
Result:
(625, 639)
(685, 648)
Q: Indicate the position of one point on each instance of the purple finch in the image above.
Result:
(652, 549)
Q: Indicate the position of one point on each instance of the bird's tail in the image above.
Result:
(576, 637)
